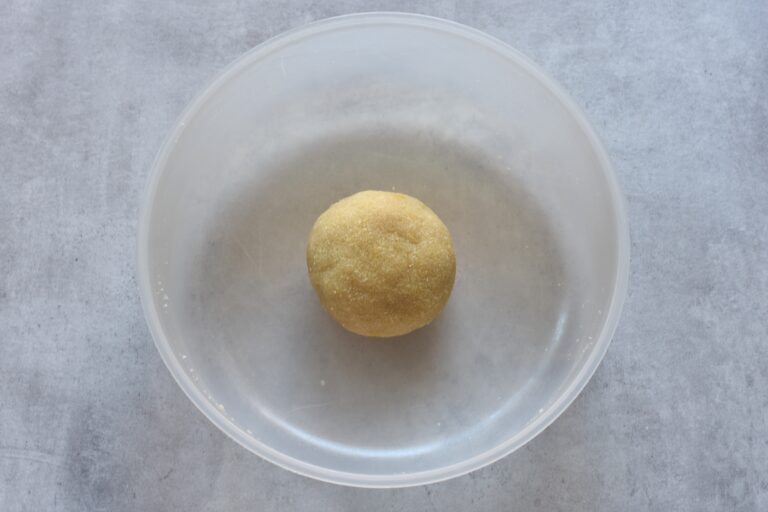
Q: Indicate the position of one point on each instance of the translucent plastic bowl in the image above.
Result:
(382, 101)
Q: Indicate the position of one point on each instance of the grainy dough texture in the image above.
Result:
(382, 263)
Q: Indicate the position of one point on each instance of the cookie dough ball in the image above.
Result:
(381, 263)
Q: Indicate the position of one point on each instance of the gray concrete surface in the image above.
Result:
(674, 419)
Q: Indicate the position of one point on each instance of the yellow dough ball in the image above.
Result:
(381, 263)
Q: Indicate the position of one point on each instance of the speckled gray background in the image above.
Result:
(674, 419)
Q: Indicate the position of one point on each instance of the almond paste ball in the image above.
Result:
(382, 263)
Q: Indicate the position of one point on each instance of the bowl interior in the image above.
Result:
(386, 102)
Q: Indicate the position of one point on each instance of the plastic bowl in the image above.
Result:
(382, 101)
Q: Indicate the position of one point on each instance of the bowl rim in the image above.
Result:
(477, 461)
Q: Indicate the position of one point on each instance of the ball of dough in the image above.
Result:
(381, 263)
